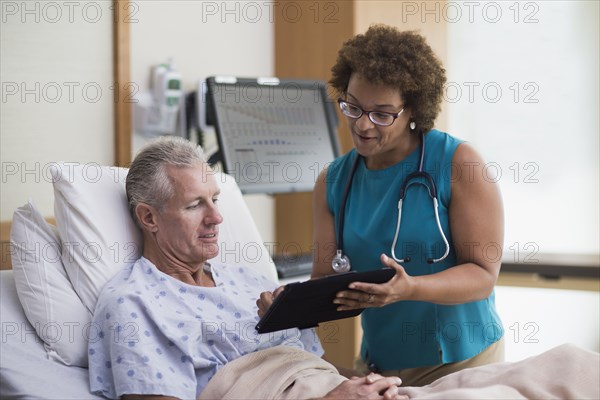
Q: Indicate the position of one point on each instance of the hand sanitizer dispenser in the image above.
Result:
(157, 110)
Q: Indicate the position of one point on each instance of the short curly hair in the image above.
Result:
(402, 59)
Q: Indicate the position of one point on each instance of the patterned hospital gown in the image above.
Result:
(153, 334)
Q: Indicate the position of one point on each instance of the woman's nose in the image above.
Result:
(364, 123)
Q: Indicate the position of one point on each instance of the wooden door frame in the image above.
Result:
(122, 81)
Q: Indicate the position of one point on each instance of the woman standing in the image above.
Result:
(444, 239)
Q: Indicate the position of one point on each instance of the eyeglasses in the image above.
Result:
(377, 117)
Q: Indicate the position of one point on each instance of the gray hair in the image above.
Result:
(147, 179)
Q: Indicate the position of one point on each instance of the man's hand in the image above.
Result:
(266, 299)
(372, 386)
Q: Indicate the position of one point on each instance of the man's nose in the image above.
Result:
(214, 217)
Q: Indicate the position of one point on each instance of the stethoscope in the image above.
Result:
(341, 262)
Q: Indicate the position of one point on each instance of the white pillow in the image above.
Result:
(44, 290)
(98, 235)
(240, 242)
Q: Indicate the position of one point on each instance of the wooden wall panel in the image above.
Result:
(5, 245)
(306, 47)
(5, 250)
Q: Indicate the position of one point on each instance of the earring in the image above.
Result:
(412, 125)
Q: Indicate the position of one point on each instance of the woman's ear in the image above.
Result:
(147, 214)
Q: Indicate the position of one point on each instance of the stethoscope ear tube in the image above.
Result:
(400, 260)
(437, 219)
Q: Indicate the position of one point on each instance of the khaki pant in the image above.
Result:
(422, 376)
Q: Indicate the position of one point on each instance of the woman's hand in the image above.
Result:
(266, 299)
(372, 386)
(364, 295)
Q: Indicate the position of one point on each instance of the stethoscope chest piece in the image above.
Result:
(341, 262)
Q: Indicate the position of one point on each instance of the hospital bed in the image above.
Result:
(48, 298)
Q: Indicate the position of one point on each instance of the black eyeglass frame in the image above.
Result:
(362, 112)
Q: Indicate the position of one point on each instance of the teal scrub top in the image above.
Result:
(409, 334)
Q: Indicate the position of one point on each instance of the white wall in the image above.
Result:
(206, 38)
(536, 319)
(523, 88)
(533, 113)
(56, 73)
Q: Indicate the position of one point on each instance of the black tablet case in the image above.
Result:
(306, 304)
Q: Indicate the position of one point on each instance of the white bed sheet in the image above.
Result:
(25, 369)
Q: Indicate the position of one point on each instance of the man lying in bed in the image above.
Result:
(171, 321)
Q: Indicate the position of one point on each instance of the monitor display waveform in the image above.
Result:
(274, 139)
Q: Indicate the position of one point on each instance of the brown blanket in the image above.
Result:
(565, 372)
(281, 372)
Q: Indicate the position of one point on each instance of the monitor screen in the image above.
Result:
(275, 136)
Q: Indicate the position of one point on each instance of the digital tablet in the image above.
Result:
(306, 304)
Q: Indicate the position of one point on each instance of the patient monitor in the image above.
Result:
(274, 135)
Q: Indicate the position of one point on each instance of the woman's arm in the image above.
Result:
(477, 224)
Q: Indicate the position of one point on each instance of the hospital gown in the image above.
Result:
(153, 334)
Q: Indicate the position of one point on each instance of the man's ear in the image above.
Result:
(147, 214)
